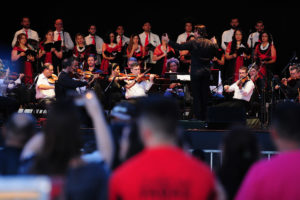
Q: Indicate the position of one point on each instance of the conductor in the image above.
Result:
(202, 51)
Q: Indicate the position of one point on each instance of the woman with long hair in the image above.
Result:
(49, 53)
(135, 48)
(265, 55)
(57, 151)
(23, 57)
(110, 50)
(237, 54)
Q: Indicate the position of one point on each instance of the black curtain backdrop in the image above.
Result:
(282, 20)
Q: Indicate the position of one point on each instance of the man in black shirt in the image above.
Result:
(202, 51)
(65, 83)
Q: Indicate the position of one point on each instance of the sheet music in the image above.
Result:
(184, 77)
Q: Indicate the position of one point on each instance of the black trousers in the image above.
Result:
(200, 91)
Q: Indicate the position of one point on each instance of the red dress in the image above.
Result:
(110, 52)
(24, 66)
(239, 61)
(263, 55)
(162, 63)
(77, 52)
(48, 55)
(138, 54)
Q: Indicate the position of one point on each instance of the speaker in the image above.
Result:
(222, 117)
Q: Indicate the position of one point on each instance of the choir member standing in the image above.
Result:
(161, 54)
(149, 41)
(94, 42)
(227, 35)
(236, 54)
(110, 50)
(64, 37)
(30, 34)
(22, 58)
(50, 52)
(135, 48)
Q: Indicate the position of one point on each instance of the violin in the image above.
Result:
(88, 74)
(242, 81)
(52, 79)
(141, 79)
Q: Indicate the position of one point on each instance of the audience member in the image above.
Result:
(277, 178)
(161, 170)
(18, 129)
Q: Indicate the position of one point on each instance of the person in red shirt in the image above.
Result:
(162, 170)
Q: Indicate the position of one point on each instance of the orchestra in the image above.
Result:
(118, 67)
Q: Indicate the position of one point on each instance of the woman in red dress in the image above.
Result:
(110, 50)
(22, 57)
(264, 54)
(80, 52)
(135, 48)
(161, 54)
(49, 53)
(236, 54)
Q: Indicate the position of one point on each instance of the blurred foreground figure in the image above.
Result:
(162, 170)
(279, 177)
(18, 129)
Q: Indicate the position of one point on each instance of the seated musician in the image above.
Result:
(8, 105)
(256, 100)
(242, 88)
(137, 87)
(174, 88)
(65, 83)
(290, 87)
(45, 90)
(91, 65)
(114, 91)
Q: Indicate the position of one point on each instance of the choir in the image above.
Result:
(30, 54)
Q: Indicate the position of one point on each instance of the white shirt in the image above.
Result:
(65, 38)
(244, 93)
(98, 40)
(183, 37)
(138, 89)
(154, 40)
(255, 37)
(226, 37)
(42, 94)
(31, 35)
(125, 40)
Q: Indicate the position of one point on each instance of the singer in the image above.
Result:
(202, 51)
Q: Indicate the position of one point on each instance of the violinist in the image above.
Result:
(8, 105)
(115, 91)
(258, 92)
(65, 83)
(91, 72)
(45, 89)
(242, 88)
(137, 87)
(291, 85)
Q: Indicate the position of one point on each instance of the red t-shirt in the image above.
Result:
(162, 173)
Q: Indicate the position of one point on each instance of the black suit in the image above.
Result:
(65, 83)
(202, 51)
